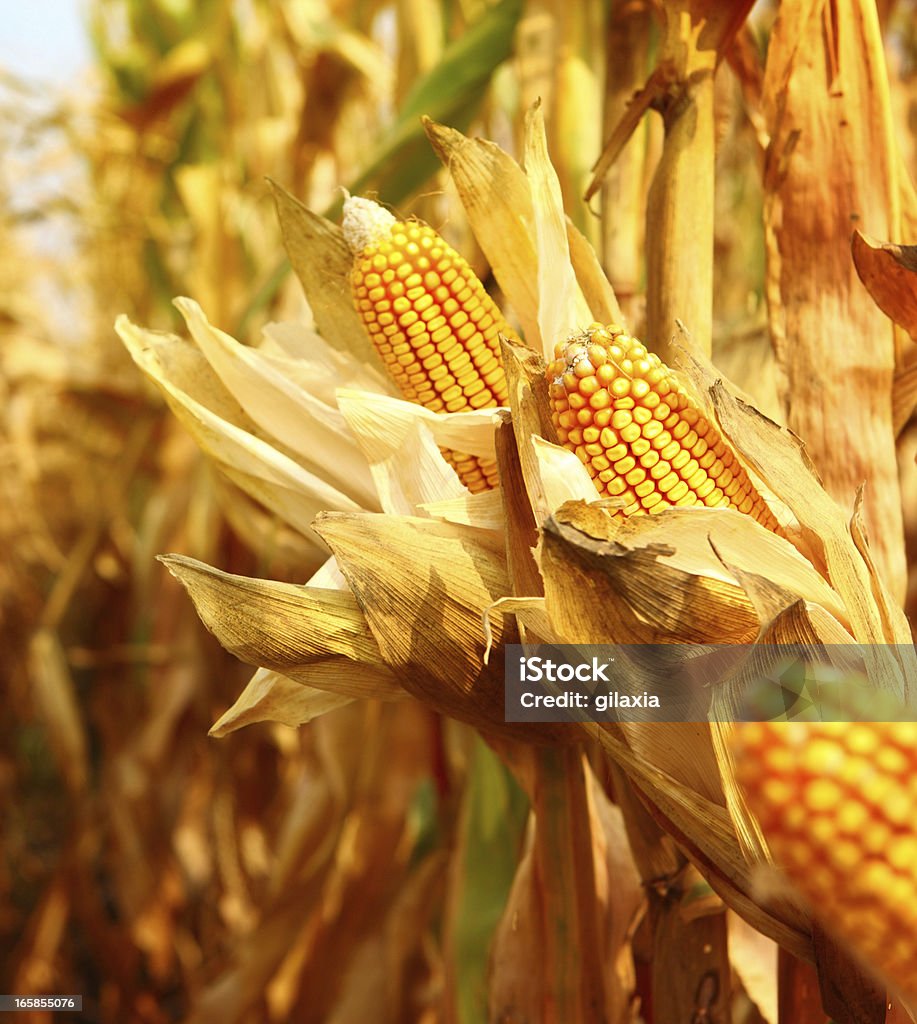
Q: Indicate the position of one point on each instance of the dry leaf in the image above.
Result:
(318, 637)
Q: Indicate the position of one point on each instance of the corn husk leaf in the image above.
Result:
(427, 620)
(401, 442)
(322, 261)
(484, 510)
(471, 431)
(272, 697)
(552, 474)
(600, 589)
(889, 272)
(705, 831)
(562, 309)
(530, 612)
(318, 637)
(225, 433)
(315, 431)
(781, 460)
(499, 201)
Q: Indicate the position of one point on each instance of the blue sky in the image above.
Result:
(43, 40)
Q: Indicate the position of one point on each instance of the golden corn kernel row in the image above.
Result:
(640, 436)
(838, 804)
(434, 325)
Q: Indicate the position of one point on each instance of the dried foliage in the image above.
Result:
(361, 836)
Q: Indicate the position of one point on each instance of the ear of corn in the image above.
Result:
(430, 319)
(837, 802)
(639, 434)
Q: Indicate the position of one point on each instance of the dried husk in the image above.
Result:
(889, 272)
(423, 587)
(517, 215)
(272, 697)
(302, 424)
(315, 636)
(322, 261)
(401, 442)
(227, 434)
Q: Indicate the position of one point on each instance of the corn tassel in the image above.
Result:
(641, 437)
(430, 319)
(837, 802)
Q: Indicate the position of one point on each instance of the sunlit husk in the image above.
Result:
(227, 434)
(318, 637)
(518, 219)
(401, 442)
(272, 697)
(322, 261)
(423, 586)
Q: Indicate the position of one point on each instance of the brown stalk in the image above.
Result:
(623, 195)
(826, 105)
(680, 208)
(690, 963)
(575, 988)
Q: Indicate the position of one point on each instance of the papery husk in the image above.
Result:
(889, 272)
(317, 637)
(623, 592)
(781, 460)
(322, 261)
(423, 586)
(704, 830)
(301, 423)
(505, 205)
(484, 509)
(317, 366)
(225, 433)
(561, 306)
(531, 618)
(520, 530)
(401, 441)
(272, 697)
(531, 417)
(497, 199)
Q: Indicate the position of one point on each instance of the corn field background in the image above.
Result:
(387, 861)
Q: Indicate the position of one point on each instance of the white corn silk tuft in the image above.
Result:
(365, 223)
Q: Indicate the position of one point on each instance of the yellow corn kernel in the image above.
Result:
(689, 461)
(429, 318)
(842, 822)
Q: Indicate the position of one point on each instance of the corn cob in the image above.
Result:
(641, 437)
(430, 319)
(837, 802)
